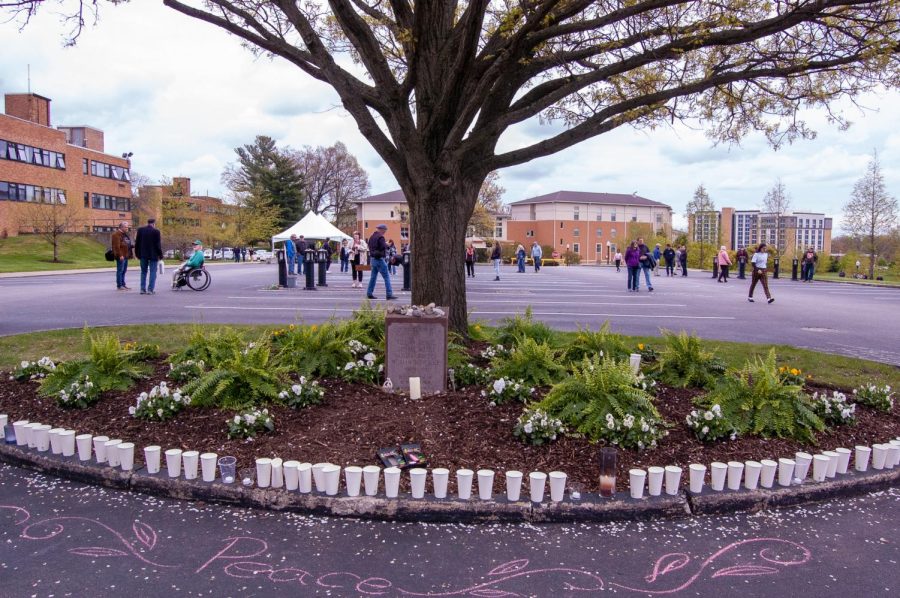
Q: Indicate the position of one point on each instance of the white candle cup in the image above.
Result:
(190, 464)
(173, 462)
(151, 458)
(636, 480)
(417, 479)
(861, 458)
(277, 473)
(392, 482)
(717, 472)
(735, 471)
(263, 472)
(332, 475)
(415, 388)
(100, 448)
(304, 481)
(673, 479)
(30, 436)
(843, 459)
(767, 475)
(112, 451)
(893, 454)
(786, 471)
(42, 437)
(833, 458)
(291, 475)
(820, 467)
(83, 442)
(439, 479)
(208, 466)
(371, 475)
(464, 483)
(55, 444)
(485, 484)
(634, 360)
(352, 479)
(513, 485)
(698, 476)
(318, 477)
(19, 428)
(538, 483)
(557, 485)
(126, 455)
(227, 469)
(879, 456)
(802, 462)
(67, 438)
(752, 469)
(655, 480)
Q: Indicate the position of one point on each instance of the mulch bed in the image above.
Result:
(456, 429)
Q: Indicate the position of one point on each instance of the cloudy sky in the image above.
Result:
(182, 95)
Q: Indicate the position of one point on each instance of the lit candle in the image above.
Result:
(607, 485)
(415, 388)
(228, 479)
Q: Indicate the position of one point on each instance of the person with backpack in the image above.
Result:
(123, 251)
(647, 262)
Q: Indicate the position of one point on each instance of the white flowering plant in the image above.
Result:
(631, 431)
(470, 375)
(160, 404)
(495, 351)
(834, 410)
(364, 367)
(187, 370)
(709, 425)
(505, 390)
(80, 394)
(33, 370)
(535, 427)
(304, 394)
(250, 424)
(877, 397)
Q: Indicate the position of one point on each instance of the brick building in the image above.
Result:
(791, 232)
(182, 216)
(67, 165)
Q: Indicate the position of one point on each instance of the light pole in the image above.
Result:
(607, 252)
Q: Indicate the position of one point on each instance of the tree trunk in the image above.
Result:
(438, 220)
(55, 249)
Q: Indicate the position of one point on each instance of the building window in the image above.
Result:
(612, 233)
(561, 224)
(87, 199)
(598, 249)
(392, 213)
(108, 171)
(576, 247)
(634, 219)
(108, 202)
(19, 152)
(404, 215)
(599, 232)
(576, 232)
(561, 241)
(31, 193)
(404, 232)
(612, 216)
(366, 224)
(659, 219)
(576, 213)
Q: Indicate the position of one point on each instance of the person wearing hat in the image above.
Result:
(378, 250)
(196, 259)
(724, 264)
(148, 249)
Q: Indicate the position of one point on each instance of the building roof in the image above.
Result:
(618, 199)
(389, 197)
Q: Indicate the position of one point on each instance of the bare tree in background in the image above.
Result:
(698, 211)
(871, 211)
(777, 203)
(333, 181)
(49, 219)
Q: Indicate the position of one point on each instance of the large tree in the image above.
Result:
(333, 181)
(776, 204)
(434, 85)
(871, 211)
(703, 222)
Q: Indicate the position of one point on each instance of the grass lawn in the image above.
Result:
(890, 280)
(831, 369)
(31, 253)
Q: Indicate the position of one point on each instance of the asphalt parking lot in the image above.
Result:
(860, 321)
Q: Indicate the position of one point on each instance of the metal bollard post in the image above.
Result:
(407, 270)
(323, 257)
(282, 268)
(308, 266)
(715, 268)
(794, 269)
(777, 267)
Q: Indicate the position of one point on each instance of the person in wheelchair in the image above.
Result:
(179, 279)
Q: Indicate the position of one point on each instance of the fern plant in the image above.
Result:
(513, 330)
(109, 366)
(314, 351)
(247, 377)
(210, 347)
(602, 343)
(601, 400)
(758, 401)
(366, 325)
(536, 364)
(685, 364)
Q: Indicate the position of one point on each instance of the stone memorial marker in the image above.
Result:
(416, 346)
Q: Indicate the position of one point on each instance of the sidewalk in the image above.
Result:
(109, 269)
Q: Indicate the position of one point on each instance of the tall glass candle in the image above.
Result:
(607, 472)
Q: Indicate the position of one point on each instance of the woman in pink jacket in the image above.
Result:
(724, 264)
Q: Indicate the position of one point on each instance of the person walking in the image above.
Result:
(358, 253)
(633, 263)
(724, 264)
(536, 254)
(760, 261)
(682, 260)
(302, 246)
(669, 256)
(378, 249)
(290, 253)
(657, 255)
(496, 256)
(392, 257)
(742, 258)
(470, 260)
(345, 256)
(646, 260)
(244, 254)
(520, 257)
(809, 264)
(148, 249)
(122, 249)
(618, 259)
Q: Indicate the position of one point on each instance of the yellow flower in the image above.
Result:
(641, 346)
(795, 372)
(477, 328)
(313, 327)
(291, 326)
(781, 369)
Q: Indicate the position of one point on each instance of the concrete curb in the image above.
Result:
(499, 510)
(36, 273)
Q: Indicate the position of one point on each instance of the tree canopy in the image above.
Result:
(871, 212)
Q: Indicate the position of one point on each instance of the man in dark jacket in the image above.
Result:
(123, 251)
(378, 249)
(646, 262)
(742, 259)
(148, 249)
(669, 256)
(301, 246)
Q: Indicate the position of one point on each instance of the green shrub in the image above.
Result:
(684, 364)
(536, 427)
(80, 394)
(503, 390)
(251, 424)
(247, 377)
(457, 353)
(109, 366)
(312, 350)
(880, 398)
(160, 404)
(602, 343)
(834, 410)
(537, 364)
(470, 375)
(757, 401)
(364, 365)
(602, 400)
(366, 325)
(210, 347)
(187, 370)
(304, 394)
(514, 329)
(33, 370)
(710, 424)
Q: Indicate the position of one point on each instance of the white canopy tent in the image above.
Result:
(311, 226)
